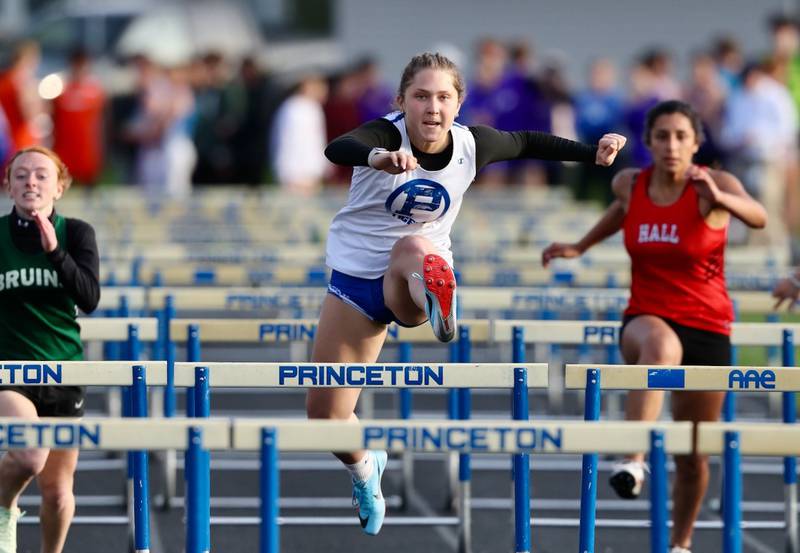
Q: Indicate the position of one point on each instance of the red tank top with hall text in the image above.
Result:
(677, 261)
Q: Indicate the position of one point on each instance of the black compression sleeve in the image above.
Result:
(353, 148)
(78, 265)
(493, 145)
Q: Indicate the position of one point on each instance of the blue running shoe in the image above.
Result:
(440, 295)
(368, 499)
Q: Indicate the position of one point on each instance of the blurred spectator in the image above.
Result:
(785, 47)
(220, 108)
(6, 146)
(483, 102)
(342, 115)
(706, 94)
(598, 110)
(729, 60)
(161, 129)
(663, 82)
(376, 98)
(760, 135)
(180, 154)
(480, 105)
(20, 99)
(299, 137)
(78, 121)
(522, 103)
(785, 31)
(558, 97)
(641, 97)
(250, 139)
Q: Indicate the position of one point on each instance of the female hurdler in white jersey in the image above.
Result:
(389, 247)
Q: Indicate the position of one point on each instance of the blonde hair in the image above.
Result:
(430, 60)
(64, 178)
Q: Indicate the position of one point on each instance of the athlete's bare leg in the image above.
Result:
(58, 502)
(691, 471)
(648, 340)
(18, 466)
(344, 335)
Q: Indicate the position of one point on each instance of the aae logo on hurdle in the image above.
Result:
(757, 379)
(462, 438)
(360, 375)
(30, 373)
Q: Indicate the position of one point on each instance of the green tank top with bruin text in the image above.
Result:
(37, 315)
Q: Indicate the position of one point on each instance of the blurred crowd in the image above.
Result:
(222, 121)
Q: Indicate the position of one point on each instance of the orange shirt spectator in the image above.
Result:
(78, 122)
(18, 96)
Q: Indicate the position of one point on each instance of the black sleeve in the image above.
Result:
(493, 145)
(353, 148)
(78, 265)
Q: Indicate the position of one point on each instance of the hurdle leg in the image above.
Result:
(193, 504)
(270, 492)
(465, 486)
(521, 470)
(659, 529)
(451, 459)
(731, 504)
(589, 468)
(140, 482)
(790, 463)
(406, 457)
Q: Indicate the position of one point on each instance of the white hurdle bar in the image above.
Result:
(304, 299)
(705, 378)
(462, 376)
(131, 434)
(516, 437)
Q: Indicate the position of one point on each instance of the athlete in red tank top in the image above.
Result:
(677, 260)
(675, 217)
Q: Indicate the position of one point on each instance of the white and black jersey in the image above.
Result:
(382, 208)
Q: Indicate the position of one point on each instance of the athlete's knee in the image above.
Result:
(661, 350)
(414, 246)
(26, 463)
(57, 494)
(691, 468)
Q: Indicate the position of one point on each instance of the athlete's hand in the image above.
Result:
(394, 162)
(557, 249)
(785, 290)
(608, 148)
(703, 183)
(46, 231)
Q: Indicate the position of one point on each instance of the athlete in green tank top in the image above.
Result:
(48, 266)
(37, 315)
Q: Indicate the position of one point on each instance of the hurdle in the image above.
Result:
(703, 378)
(515, 437)
(516, 377)
(123, 435)
(97, 373)
(734, 440)
(255, 331)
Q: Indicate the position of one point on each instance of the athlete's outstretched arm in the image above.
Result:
(725, 191)
(609, 223)
(495, 145)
